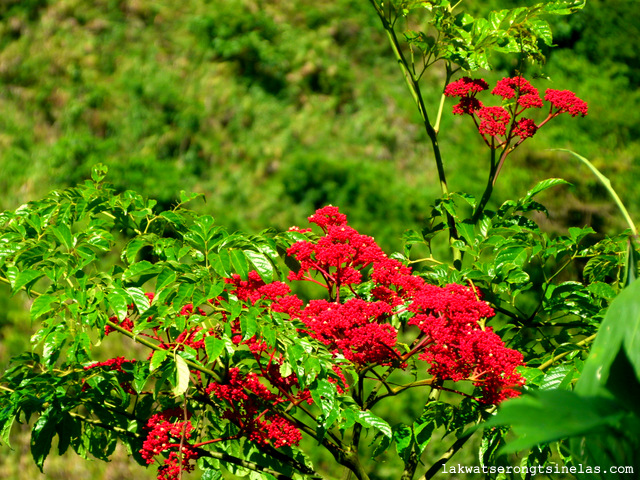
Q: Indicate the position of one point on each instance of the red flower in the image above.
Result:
(494, 121)
(510, 87)
(456, 345)
(169, 435)
(467, 105)
(127, 324)
(465, 87)
(356, 329)
(530, 101)
(112, 363)
(259, 424)
(566, 101)
(525, 128)
(327, 216)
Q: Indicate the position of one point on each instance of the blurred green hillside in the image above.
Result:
(273, 108)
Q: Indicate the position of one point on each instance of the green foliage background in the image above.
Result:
(275, 108)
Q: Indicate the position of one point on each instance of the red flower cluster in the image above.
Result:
(494, 121)
(526, 94)
(126, 323)
(112, 364)
(369, 296)
(566, 101)
(458, 347)
(500, 125)
(339, 256)
(252, 413)
(466, 87)
(452, 339)
(167, 435)
(254, 289)
(355, 328)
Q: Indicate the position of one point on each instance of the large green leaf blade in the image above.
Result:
(42, 435)
(547, 416)
(620, 328)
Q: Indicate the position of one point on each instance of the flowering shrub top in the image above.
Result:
(502, 125)
(450, 319)
(377, 313)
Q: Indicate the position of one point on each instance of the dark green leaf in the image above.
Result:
(403, 437)
(42, 435)
(7, 418)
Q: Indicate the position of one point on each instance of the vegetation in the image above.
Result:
(273, 110)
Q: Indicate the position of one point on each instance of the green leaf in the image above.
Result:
(182, 376)
(324, 395)
(631, 265)
(7, 418)
(221, 263)
(188, 197)
(140, 268)
(563, 7)
(544, 185)
(619, 329)
(546, 416)
(262, 265)
(403, 437)
(140, 300)
(66, 428)
(130, 252)
(285, 369)
(140, 376)
(248, 325)
(602, 290)
(157, 358)
(63, 234)
(42, 435)
(214, 347)
(239, 262)
(607, 185)
(118, 304)
(468, 232)
(557, 378)
(26, 277)
(532, 376)
(370, 420)
(166, 276)
(42, 305)
(174, 218)
(98, 172)
(295, 354)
